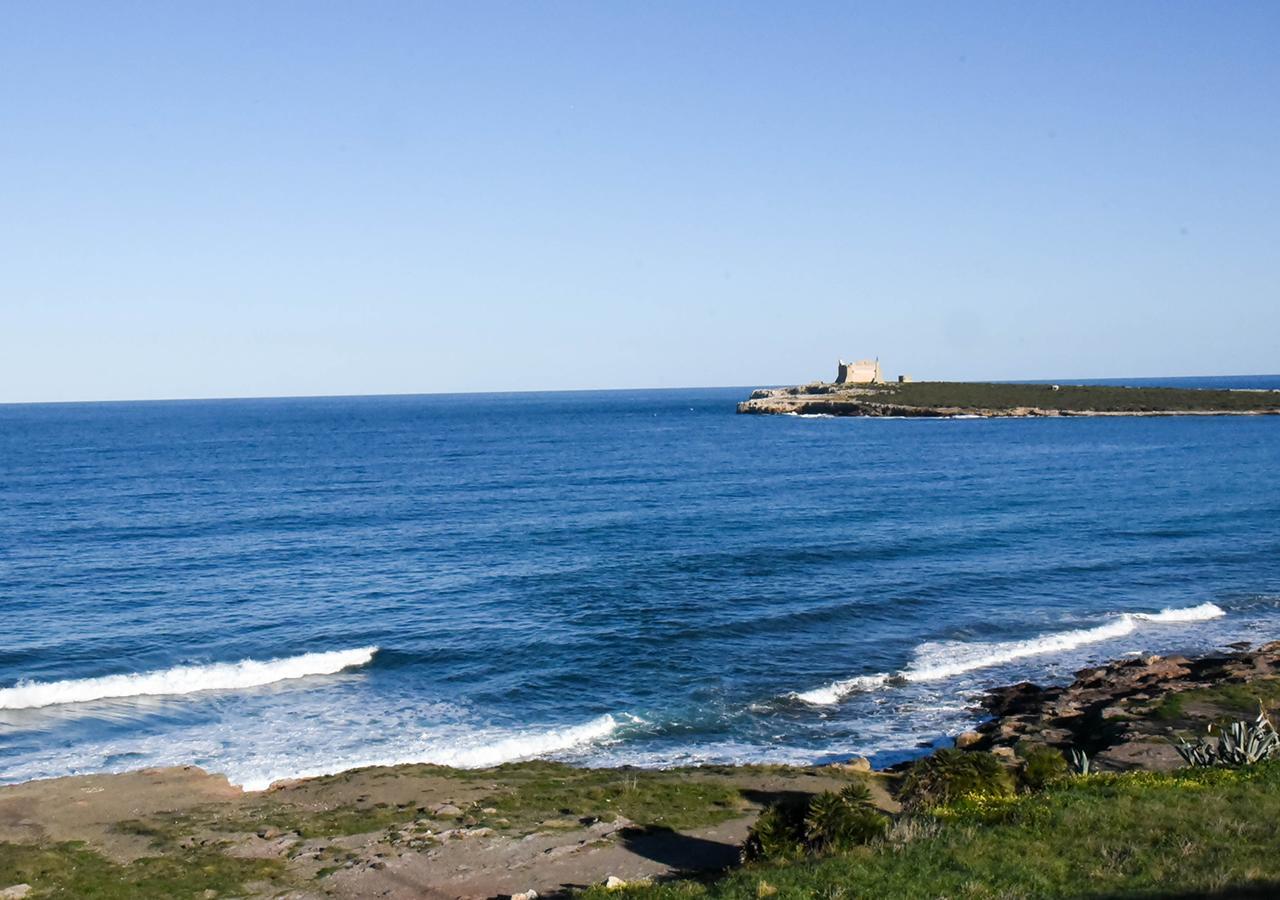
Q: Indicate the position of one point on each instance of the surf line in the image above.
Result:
(947, 659)
(247, 673)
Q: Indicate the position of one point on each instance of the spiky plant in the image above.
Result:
(778, 834)
(1080, 762)
(843, 820)
(826, 822)
(1239, 744)
(950, 774)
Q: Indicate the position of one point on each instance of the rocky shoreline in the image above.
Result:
(430, 831)
(977, 400)
(1131, 714)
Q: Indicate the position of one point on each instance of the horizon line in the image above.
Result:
(464, 393)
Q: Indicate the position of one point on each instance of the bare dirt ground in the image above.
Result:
(419, 831)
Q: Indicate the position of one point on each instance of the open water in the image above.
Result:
(273, 588)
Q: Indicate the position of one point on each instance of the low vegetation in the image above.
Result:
(810, 825)
(950, 774)
(1225, 699)
(1238, 744)
(70, 870)
(1075, 398)
(531, 794)
(1197, 831)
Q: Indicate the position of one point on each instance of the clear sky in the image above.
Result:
(240, 199)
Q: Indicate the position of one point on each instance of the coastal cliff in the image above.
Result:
(942, 399)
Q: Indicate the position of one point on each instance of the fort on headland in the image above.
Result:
(859, 389)
(864, 371)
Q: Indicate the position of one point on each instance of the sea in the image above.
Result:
(276, 588)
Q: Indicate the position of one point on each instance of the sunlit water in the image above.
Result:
(614, 577)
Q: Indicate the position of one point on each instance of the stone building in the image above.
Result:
(864, 371)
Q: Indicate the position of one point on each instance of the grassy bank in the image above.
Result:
(1195, 832)
(142, 836)
(1089, 398)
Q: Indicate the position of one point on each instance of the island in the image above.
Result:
(859, 390)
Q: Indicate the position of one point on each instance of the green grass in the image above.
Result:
(1133, 835)
(336, 822)
(978, 395)
(1235, 700)
(72, 871)
(534, 793)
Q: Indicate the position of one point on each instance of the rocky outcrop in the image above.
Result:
(1127, 714)
(951, 399)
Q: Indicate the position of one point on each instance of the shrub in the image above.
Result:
(824, 823)
(778, 834)
(1041, 766)
(843, 820)
(950, 774)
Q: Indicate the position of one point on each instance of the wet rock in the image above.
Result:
(1106, 709)
(853, 764)
(1014, 699)
(968, 739)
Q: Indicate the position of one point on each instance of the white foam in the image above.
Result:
(946, 659)
(832, 693)
(478, 751)
(1201, 613)
(182, 679)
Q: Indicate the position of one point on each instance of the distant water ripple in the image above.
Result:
(605, 577)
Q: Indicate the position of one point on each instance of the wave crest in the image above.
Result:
(478, 752)
(946, 659)
(183, 679)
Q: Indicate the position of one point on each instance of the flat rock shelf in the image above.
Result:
(961, 398)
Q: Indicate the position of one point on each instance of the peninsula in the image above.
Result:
(859, 391)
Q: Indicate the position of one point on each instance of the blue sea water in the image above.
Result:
(604, 577)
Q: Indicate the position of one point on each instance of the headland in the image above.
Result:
(942, 399)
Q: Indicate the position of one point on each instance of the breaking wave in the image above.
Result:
(183, 679)
(831, 693)
(946, 659)
(480, 751)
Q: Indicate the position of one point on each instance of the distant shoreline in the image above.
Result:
(953, 399)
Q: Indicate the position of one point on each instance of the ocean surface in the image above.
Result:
(274, 588)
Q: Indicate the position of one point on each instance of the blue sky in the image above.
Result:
(241, 199)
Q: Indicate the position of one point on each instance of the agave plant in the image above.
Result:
(1239, 744)
(1080, 762)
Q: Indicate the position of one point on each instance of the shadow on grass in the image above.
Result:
(680, 852)
(1249, 890)
(765, 799)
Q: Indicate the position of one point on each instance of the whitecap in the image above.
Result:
(936, 661)
(247, 673)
